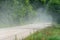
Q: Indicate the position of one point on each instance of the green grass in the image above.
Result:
(45, 34)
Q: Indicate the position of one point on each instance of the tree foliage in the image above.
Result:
(23, 10)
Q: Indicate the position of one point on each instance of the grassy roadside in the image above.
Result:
(45, 34)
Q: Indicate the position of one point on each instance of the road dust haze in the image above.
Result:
(8, 17)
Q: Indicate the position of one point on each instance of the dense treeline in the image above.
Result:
(15, 12)
(52, 6)
(21, 11)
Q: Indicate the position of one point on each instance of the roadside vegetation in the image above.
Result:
(49, 33)
(17, 12)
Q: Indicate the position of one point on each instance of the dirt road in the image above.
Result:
(20, 32)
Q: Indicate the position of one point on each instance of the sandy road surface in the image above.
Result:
(20, 31)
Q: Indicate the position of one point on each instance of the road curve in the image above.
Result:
(20, 31)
